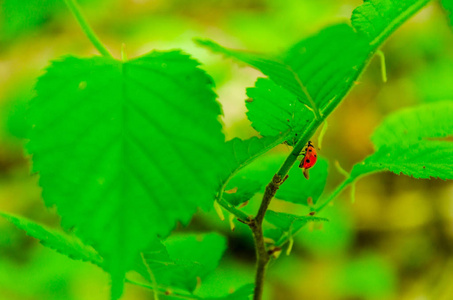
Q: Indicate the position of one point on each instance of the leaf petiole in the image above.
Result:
(76, 11)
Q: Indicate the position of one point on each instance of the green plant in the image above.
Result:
(127, 148)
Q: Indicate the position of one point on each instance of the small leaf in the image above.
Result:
(277, 71)
(297, 189)
(114, 141)
(243, 293)
(273, 234)
(287, 222)
(405, 143)
(377, 18)
(274, 110)
(63, 243)
(411, 125)
(239, 154)
(184, 258)
(245, 190)
(260, 172)
(420, 160)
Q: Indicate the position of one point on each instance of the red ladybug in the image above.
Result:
(309, 160)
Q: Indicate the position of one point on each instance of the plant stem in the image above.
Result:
(256, 225)
(262, 259)
(76, 11)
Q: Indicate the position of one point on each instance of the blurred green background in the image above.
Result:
(394, 242)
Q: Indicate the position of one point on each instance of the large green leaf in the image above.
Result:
(412, 142)
(377, 19)
(408, 142)
(329, 62)
(297, 189)
(117, 145)
(411, 125)
(184, 259)
(425, 159)
(56, 240)
(279, 72)
(326, 65)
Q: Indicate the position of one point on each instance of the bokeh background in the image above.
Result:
(394, 242)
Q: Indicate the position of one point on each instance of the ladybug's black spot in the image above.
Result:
(307, 161)
(310, 150)
(315, 155)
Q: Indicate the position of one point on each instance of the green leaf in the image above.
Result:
(243, 293)
(329, 62)
(65, 244)
(408, 143)
(289, 222)
(277, 71)
(297, 189)
(240, 153)
(114, 141)
(185, 258)
(448, 6)
(377, 19)
(241, 189)
(260, 171)
(274, 110)
(326, 64)
(411, 125)
(425, 159)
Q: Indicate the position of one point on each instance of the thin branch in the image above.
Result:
(151, 275)
(76, 11)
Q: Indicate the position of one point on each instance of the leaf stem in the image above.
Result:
(335, 193)
(239, 214)
(383, 68)
(322, 133)
(76, 11)
(153, 278)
